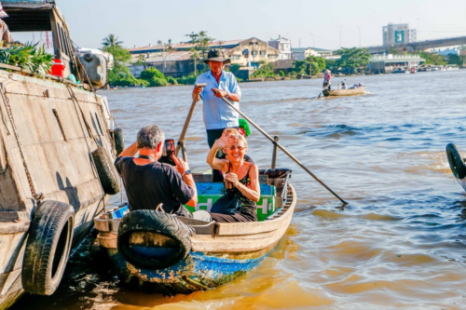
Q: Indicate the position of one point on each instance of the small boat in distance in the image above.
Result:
(344, 92)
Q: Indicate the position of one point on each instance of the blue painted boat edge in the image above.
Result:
(197, 271)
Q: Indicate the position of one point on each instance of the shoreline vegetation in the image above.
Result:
(352, 61)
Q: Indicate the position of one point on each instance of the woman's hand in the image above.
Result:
(233, 178)
(181, 165)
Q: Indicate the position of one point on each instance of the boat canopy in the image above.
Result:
(29, 15)
(43, 15)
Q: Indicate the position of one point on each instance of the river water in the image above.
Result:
(401, 241)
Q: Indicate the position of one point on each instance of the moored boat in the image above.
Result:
(54, 143)
(195, 255)
(344, 92)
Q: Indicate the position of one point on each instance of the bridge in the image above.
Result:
(418, 46)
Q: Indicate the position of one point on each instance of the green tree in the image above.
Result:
(433, 59)
(141, 60)
(301, 66)
(317, 64)
(167, 49)
(111, 40)
(154, 77)
(352, 58)
(200, 48)
(120, 74)
(265, 70)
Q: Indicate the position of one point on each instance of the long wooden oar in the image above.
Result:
(185, 128)
(283, 149)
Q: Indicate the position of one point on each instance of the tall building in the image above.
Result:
(284, 46)
(394, 34)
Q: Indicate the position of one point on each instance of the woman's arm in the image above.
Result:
(130, 151)
(252, 193)
(214, 162)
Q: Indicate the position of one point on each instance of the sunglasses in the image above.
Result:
(239, 148)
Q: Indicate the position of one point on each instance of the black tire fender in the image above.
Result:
(119, 140)
(106, 170)
(456, 162)
(157, 223)
(48, 247)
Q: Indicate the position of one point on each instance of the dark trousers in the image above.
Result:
(212, 135)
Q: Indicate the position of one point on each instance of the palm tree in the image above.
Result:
(111, 40)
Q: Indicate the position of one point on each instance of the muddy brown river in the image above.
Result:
(399, 244)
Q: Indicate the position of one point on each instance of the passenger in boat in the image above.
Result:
(4, 30)
(327, 78)
(241, 182)
(343, 85)
(149, 183)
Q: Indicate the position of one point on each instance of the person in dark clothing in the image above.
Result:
(149, 183)
(241, 181)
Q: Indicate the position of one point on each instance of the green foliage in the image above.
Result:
(141, 60)
(29, 57)
(150, 73)
(433, 59)
(234, 68)
(353, 57)
(172, 80)
(300, 66)
(200, 42)
(318, 64)
(265, 70)
(187, 80)
(154, 77)
(111, 40)
(281, 73)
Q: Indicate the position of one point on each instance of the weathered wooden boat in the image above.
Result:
(50, 189)
(456, 162)
(215, 253)
(344, 92)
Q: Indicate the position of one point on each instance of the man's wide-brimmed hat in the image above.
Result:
(217, 55)
(3, 14)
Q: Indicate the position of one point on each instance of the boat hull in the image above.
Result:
(198, 271)
(344, 92)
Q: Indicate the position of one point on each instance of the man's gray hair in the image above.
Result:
(150, 136)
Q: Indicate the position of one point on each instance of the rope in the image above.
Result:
(15, 132)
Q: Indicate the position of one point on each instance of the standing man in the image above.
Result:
(327, 78)
(217, 114)
(5, 34)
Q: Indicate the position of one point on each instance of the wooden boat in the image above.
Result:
(344, 92)
(50, 187)
(219, 252)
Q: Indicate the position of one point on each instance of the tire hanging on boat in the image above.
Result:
(48, 247)
(456, 162)
(119, 140)
(106, 170)
(152, 239)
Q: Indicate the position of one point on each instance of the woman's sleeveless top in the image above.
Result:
(246, 181)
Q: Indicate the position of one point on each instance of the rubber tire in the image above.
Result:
(48, 247)
(158, 222)
(456, 162)
(107, 172)
(119, 140)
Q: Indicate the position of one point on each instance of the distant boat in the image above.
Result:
(400, 70)
(344, 92)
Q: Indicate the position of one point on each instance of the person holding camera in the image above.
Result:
(149, 183)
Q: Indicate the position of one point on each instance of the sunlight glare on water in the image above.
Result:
(400, 243)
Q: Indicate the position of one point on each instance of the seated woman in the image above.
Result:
(241, 182)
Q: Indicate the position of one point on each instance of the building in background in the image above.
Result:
(302, 53)
(284, 46)
(388, 63)
(178, 60)
(394, 34)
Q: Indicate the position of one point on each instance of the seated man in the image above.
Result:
(149, 182)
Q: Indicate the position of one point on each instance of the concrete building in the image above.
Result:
(394, 34)
(284, 46)
(177, 61)
(387, 63)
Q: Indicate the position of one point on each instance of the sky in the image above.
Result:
(307, 23)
